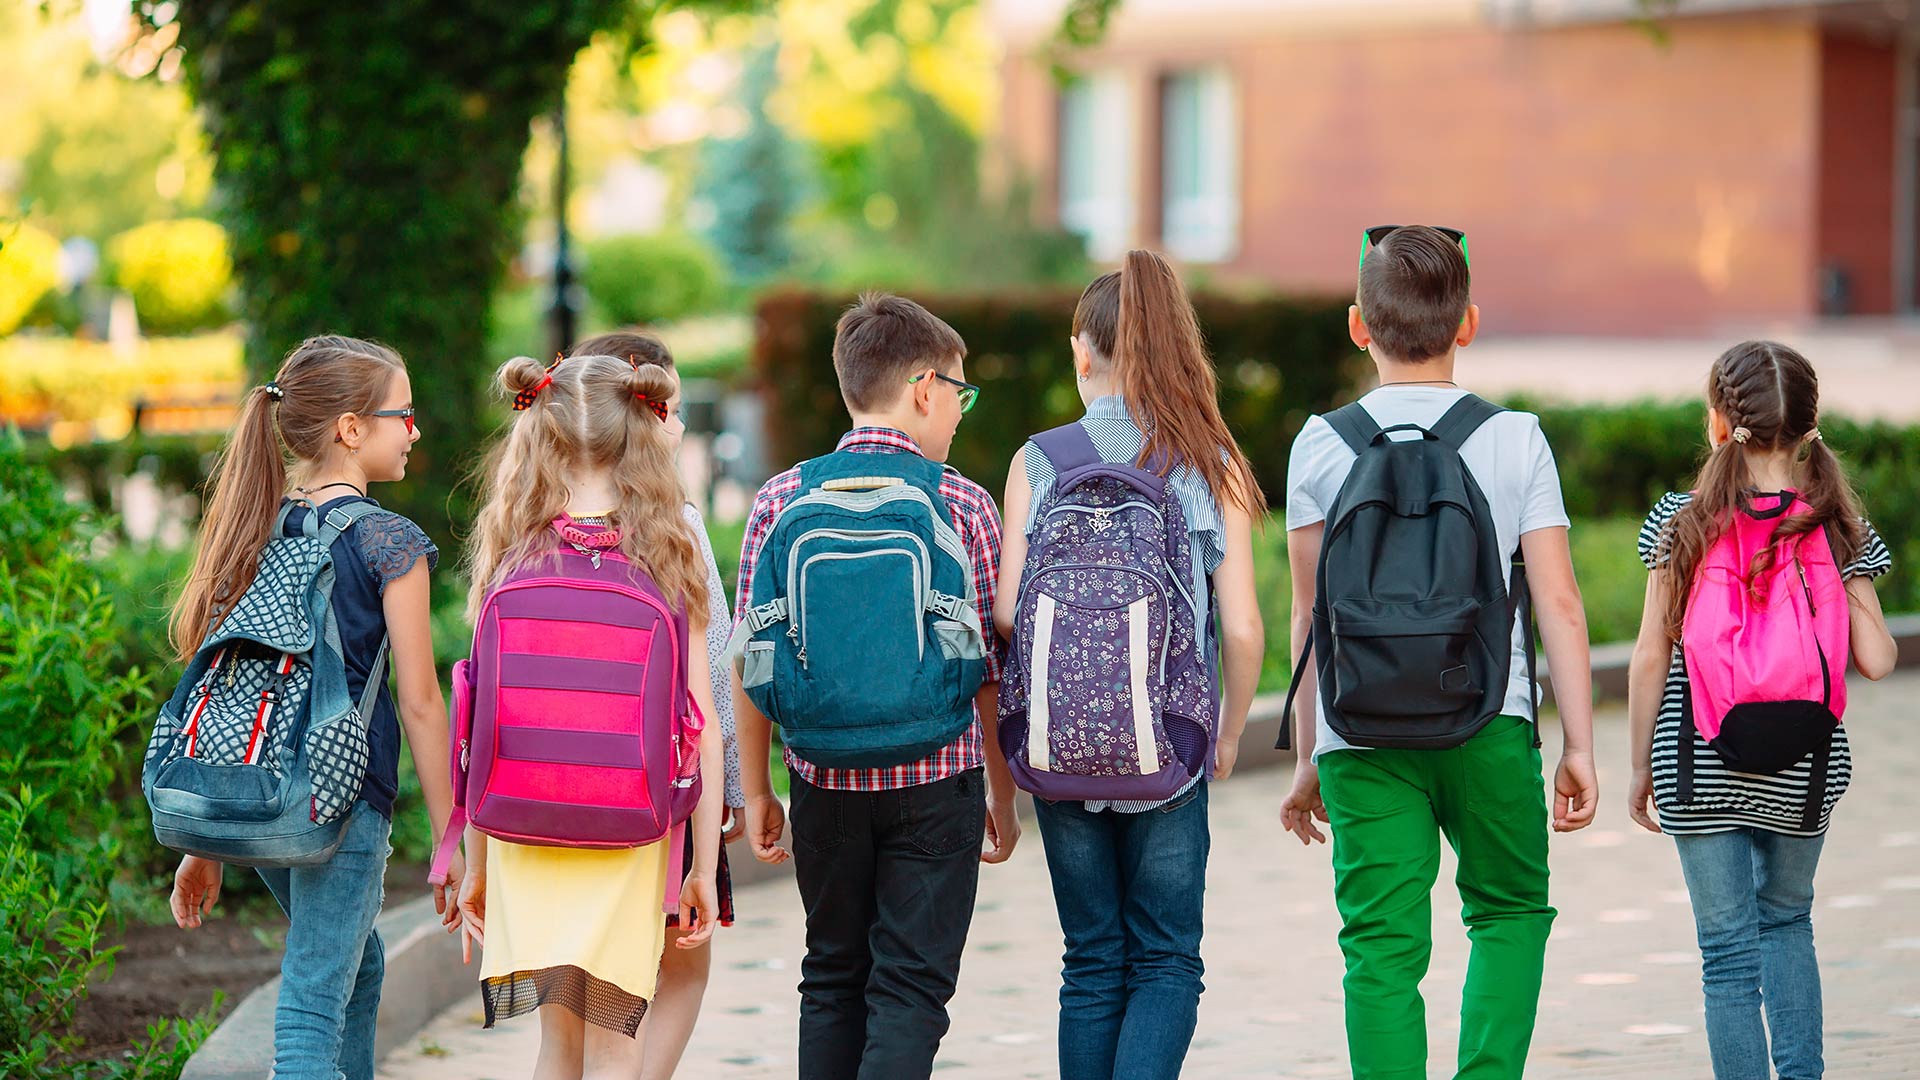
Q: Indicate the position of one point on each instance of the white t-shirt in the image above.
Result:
(1508, 456)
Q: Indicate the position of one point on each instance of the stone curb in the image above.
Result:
(425, 976)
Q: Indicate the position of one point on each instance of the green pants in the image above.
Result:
(1388, 809)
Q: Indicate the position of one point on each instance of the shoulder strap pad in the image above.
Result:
(1464, 419)
(1068, 447)
(1355, 425)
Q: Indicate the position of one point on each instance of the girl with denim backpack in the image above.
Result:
(343, 408)
(683, 972)
(578, 932)
(1761, 590)
(1149, 476)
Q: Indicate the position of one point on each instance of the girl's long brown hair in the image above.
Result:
(1140, 320)
(1772, 392)
(591, 415)
(322, 379)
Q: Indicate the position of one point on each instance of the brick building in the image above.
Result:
(1745, 159)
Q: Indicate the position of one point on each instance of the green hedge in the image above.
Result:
(1616, 460)
(1280, 361)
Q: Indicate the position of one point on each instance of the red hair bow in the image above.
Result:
(659, 407)
(523, 400)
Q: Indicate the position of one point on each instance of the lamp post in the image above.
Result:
(563, 316)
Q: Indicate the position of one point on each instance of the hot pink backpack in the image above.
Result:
(1766, 659)
(572, 722)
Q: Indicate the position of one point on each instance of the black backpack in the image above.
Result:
(1414, 611)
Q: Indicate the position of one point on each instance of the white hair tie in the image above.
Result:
(1741, 435)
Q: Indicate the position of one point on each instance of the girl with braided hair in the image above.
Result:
(1749, 841)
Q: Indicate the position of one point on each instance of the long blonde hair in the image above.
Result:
(597, 412)
(322, 379)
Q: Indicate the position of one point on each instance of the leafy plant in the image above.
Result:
(29, 269)
(649, 279)
(178, 272)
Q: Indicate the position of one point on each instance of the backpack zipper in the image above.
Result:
(866, 501)
(1826, 674)
(800, 591)
(1166, 629)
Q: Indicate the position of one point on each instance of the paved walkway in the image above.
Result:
(1621, 1000)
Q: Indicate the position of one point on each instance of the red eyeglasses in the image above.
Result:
(404, 414)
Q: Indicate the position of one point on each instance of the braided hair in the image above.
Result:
(1769, 398)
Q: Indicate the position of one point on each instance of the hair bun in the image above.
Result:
(521, 374)
(651, 382)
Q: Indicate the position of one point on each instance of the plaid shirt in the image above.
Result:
(977, 520)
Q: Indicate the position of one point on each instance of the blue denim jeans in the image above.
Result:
(1752, 894)
(330, 977)
(1129, 888)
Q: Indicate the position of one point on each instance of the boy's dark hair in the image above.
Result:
(633, 345)
(882, 341)
(1414, 293)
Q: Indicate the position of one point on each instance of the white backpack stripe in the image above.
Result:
(1039, 719)
(1138, 616)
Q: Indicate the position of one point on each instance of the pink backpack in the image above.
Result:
(1766, 659)
(572, 722)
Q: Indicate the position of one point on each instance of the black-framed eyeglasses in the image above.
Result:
(1374, 236)
(404, 414)
(969, 393)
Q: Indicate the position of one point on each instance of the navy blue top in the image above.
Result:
(379, 548)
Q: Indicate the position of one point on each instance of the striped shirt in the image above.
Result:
(1724, 800)
(977, 519)
(1118, 439)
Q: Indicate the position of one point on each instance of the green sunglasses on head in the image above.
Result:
(969, 393)
(1374, 236)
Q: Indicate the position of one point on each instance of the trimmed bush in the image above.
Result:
(1616, 460)
(29, 269)
(637, 279)
(178, 272)
(1280, 361)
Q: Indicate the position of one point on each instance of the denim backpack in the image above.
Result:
(862, 639)
(572, 721)
(260, 752)
(1106, 694)
(1414, 608)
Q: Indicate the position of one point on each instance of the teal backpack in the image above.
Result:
(862, 638)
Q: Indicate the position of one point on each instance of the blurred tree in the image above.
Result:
(368, 158)
(94, 150)
(750, 181)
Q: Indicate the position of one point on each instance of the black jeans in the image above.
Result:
(887, 879)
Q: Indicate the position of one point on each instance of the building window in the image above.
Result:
(1096, 163)
(1199, 166)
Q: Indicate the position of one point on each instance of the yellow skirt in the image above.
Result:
(579, 928)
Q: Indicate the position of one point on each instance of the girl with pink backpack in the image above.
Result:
(581, 752)
(1761, 593)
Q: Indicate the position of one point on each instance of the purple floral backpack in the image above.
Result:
(1106, 692)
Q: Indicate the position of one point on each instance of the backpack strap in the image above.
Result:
(1817, 784)
(1355, 425)
(1683, 766)
(1463, 419)
(1522, 594)
(1285, 741)
(1068, 447)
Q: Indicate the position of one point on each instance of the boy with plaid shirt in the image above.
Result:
(887, 859)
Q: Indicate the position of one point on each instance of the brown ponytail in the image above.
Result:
(1141, 321)
(322, 379)
(1771, 392)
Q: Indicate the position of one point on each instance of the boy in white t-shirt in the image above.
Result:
(1389, 807)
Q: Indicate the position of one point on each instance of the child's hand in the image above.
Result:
(472, 908)
(1576, 794)
(446, 895)
(766, 820)
(1640, 800)
(1003, 829)
(1225, 753)
(1303, 804)
(735, 824)
(196, 888)
(699, 911)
